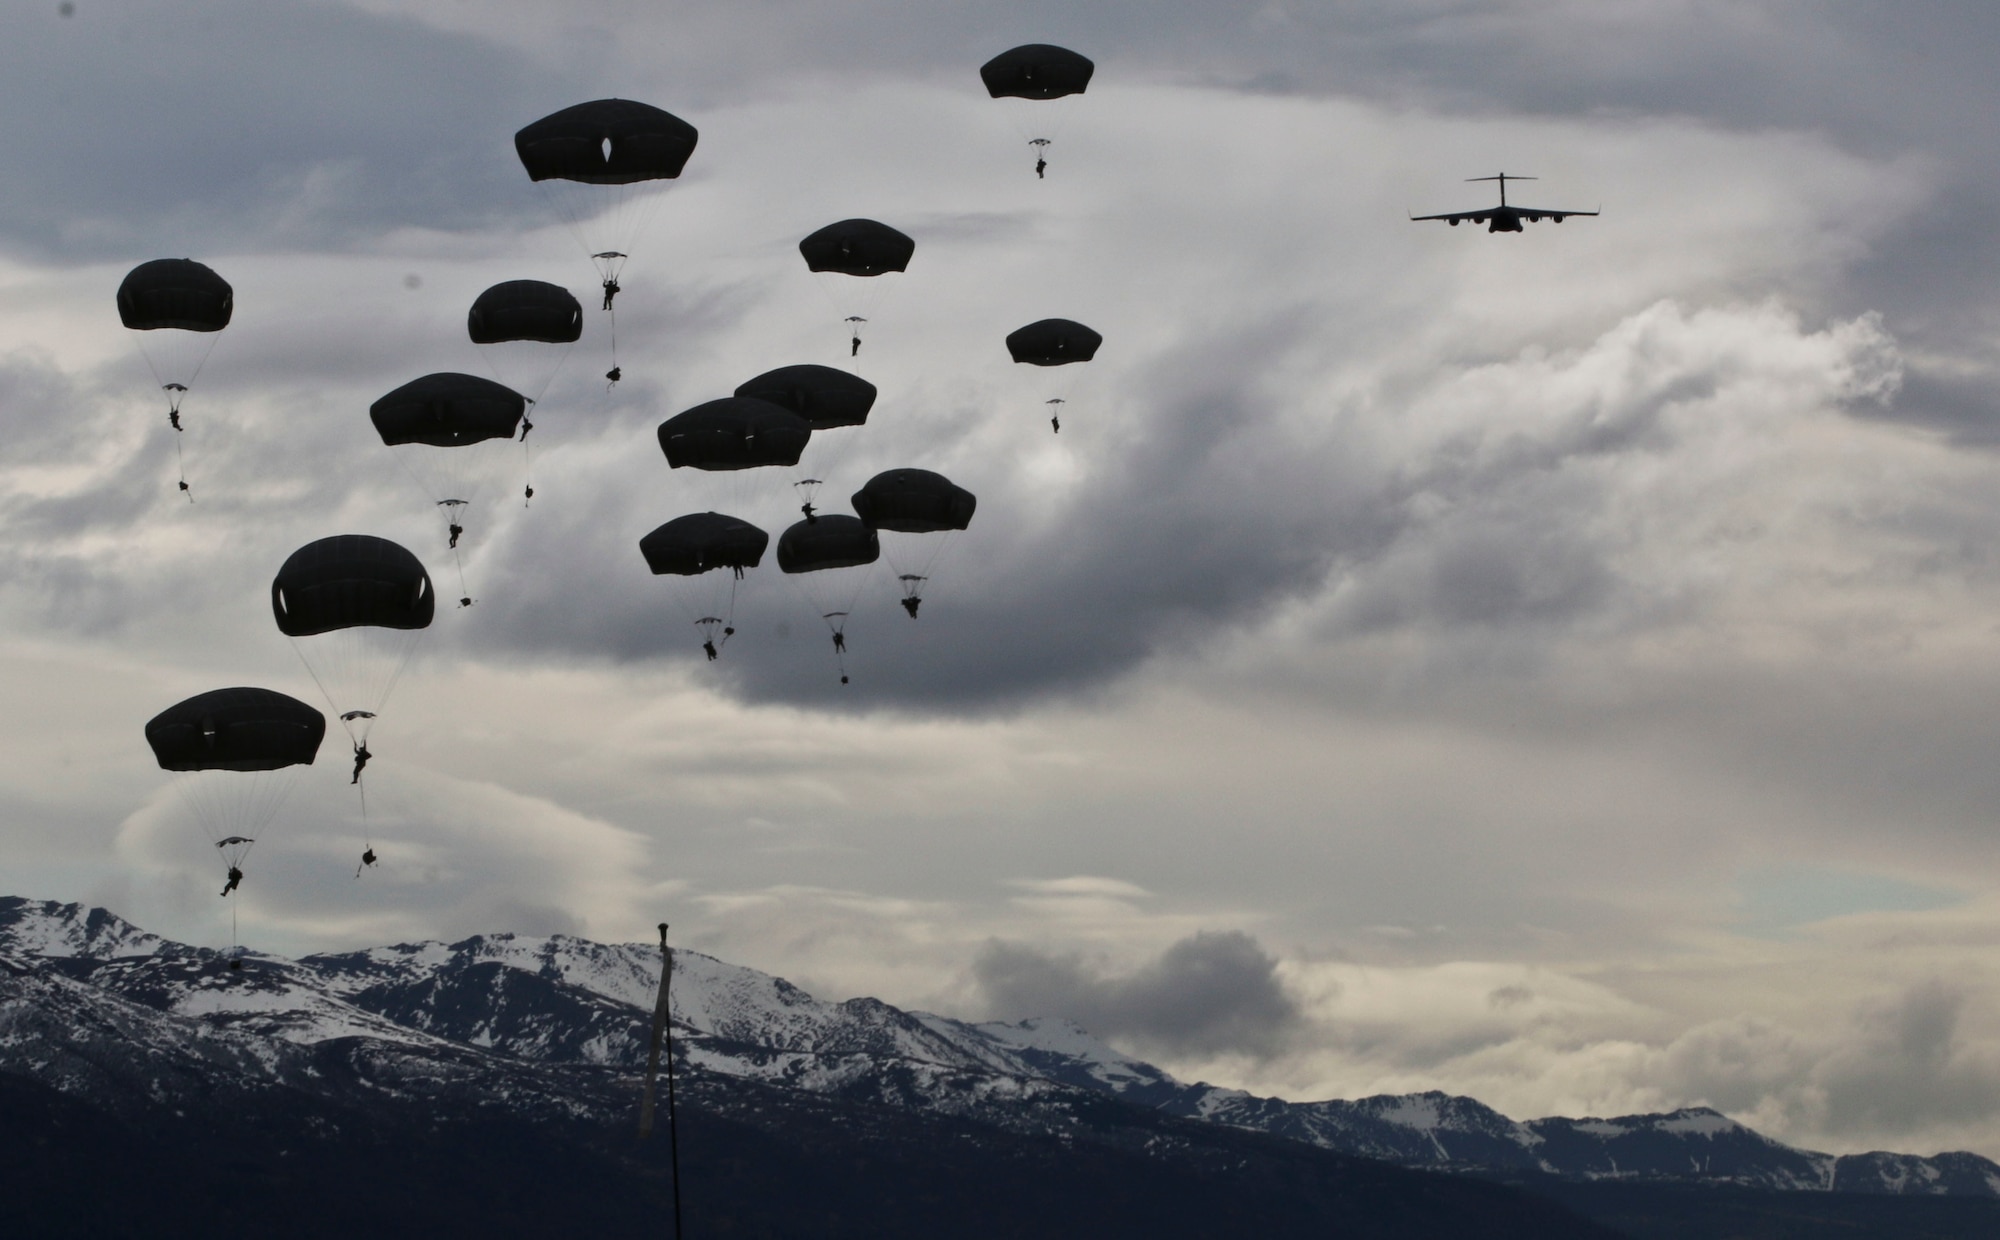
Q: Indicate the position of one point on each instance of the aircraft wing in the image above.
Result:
(1476, 217)
(1532, 212)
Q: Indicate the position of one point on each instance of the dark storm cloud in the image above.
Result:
(1204, 521)
(1215, 992)
(1910, 1068)
(137, 129)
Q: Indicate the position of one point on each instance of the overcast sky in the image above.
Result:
(1559, 668)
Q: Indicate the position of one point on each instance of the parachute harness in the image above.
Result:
(836, 623)
(610, 263)
(176, 391)
(180, 460)
(722, 627)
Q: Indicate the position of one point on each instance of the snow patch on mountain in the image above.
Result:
(46, 928)
(80, 989)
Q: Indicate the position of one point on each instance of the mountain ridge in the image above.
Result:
(566, 1001)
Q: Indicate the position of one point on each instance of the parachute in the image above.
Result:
(524, 329)
(914, 501)
(1040, 73)
(601, 160)
(733, 443)
(447, 417)
(355, 607)
(1053, 342)
(827, 399)
(1036, 71)
(696, 546)
(232, 752)
(860, 248)
(820, 554)
(176, 307)
(823, 396)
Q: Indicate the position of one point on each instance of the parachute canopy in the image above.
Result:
(1036, 71)
(175, 292)
(914, 501)
(525, 310)
(858, 248)
(1053, 342)
(823, 396)
(735, 432)
(606, 142)
(691, 545)
(448, 410)
(351, 581)
(832, 541)
(236, 730)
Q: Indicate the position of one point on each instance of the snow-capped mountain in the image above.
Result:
(80, 984)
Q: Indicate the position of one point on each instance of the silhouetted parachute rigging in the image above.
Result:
(1053, 342)
(1039, 72)
(914, 501)
(448, 426)
(828, 399)
(524, 330)
(602, 161)
(231, 751)
(863, 249)
(355, 607)
(829, 557)
(176, 307)
(713, 551)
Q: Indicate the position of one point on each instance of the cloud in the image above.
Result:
(1212, 993)
(221, 123)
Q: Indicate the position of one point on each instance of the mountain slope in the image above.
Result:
(561, 1000)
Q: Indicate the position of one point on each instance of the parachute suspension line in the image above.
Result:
(836, 624)
(617, 372)
(180, 460)
(367, 832)
(663, 1031)
(464, 592)
(527, 467)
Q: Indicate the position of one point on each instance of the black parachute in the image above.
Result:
(823, 396)
(694, 544)
(233, 753)
(175, 308)
(818, 555)
(914, 501)
(735, 432)
(530, 310)
(355, 607)
(447, 410)
(351, 581)
(242, 729)
(175, 293)
(1036, 71)
(832, 541)
(858, 248)
(606, 142)
(1053, 342)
